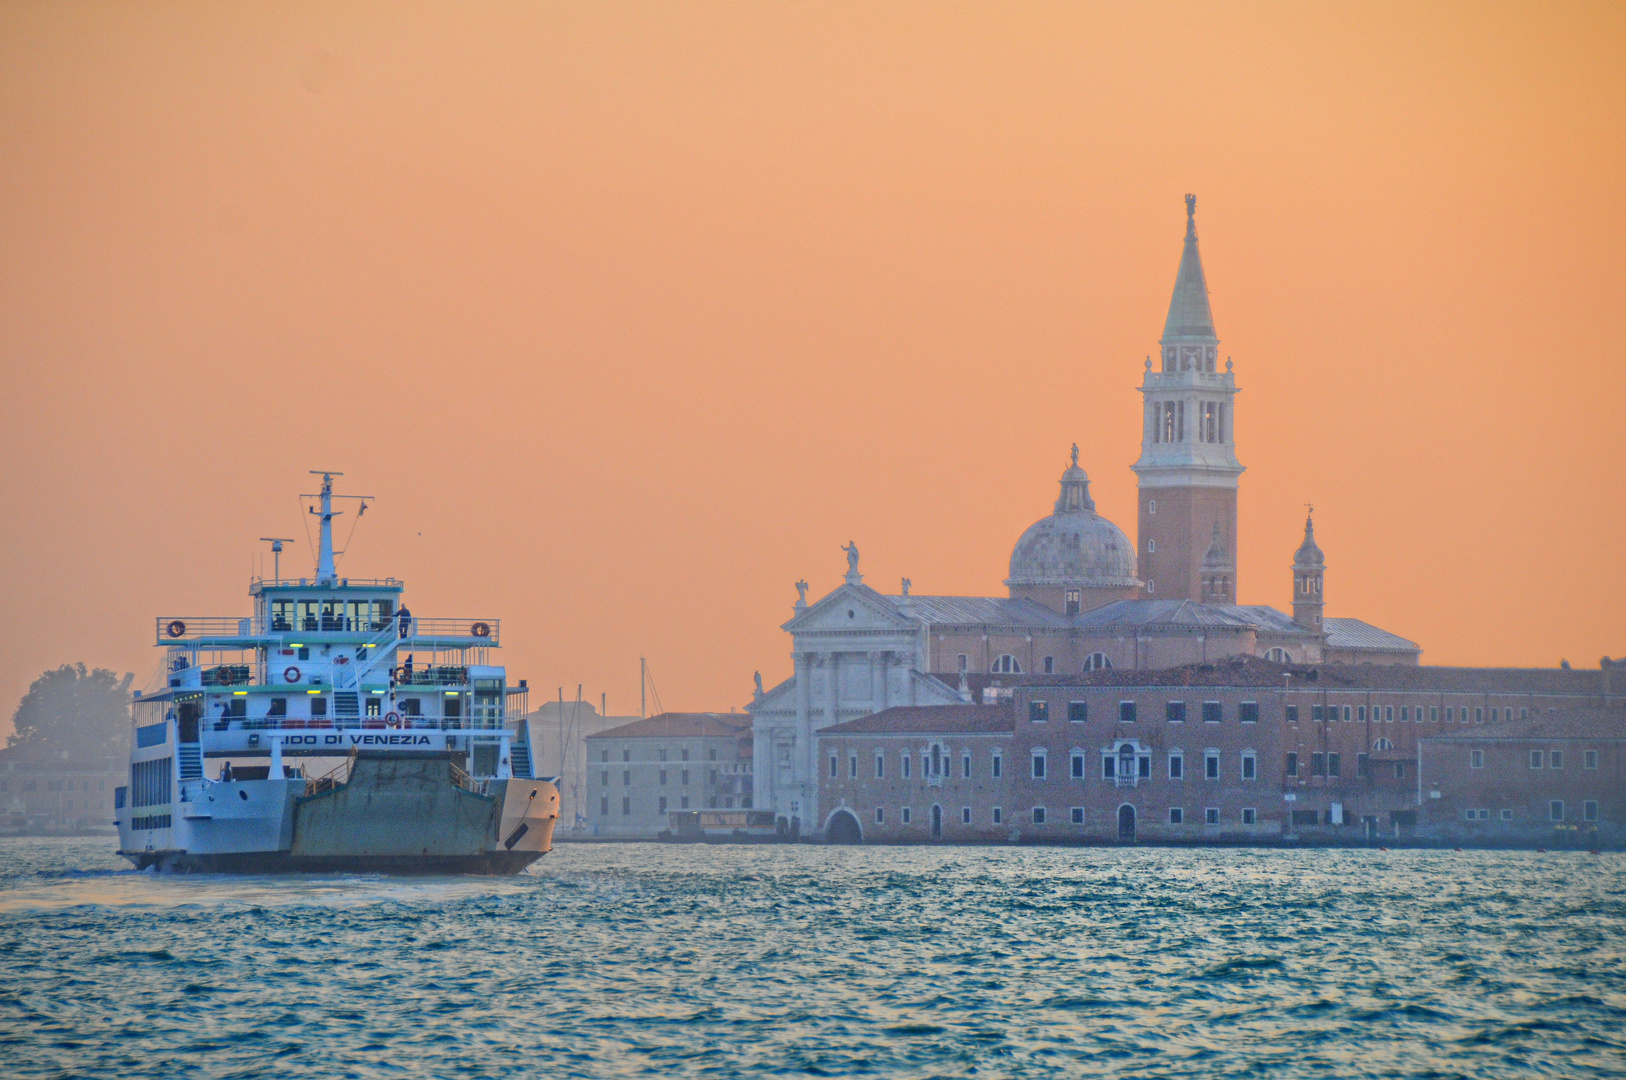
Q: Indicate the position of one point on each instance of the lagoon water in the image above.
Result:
(650, 960)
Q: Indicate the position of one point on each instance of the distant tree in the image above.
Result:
(85, 712)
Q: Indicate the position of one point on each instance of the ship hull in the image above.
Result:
(486, 864)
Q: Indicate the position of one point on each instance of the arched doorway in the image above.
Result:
(843, 829)
(937, 822)
(1126, 822)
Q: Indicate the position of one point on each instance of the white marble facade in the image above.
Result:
(856, 652)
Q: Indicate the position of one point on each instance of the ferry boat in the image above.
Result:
(333, 731)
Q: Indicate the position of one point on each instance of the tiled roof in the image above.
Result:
(931, 720)
(1250, 671)
(681, 725)
(1355, 634)
(981, 609)
(1564, 724)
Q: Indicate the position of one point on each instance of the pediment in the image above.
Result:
(848, 608)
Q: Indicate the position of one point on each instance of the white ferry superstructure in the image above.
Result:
(333, 731)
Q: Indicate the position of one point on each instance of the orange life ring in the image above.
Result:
(480, 629)
(291, 675)
(392, 719)
(176, 628)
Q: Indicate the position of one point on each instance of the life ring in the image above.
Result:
(480, 629)
(176, 628)
(291, 675)
(392, 719)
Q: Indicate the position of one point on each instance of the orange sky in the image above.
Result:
(632, 315)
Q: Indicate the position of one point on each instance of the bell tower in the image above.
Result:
(1309, 565)
(1188, 468)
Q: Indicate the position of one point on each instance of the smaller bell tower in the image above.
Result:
(1308, 567)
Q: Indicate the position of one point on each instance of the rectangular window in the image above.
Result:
(1177, 767)
(906, 766)
(626, 805)
(1292, 714)
(1109, 766)
(1078, 766)
(1450, 715)
(1555, 810)
(1249, 815)
(852, 767)
(1400, 770)
(1405, 714)
(1038, 815)
(1078, 712)
(998, 765)
(685, 777)
(1038, 712)
(1332, 764)
(965, 766)
(1388, 714)
(1346, 714)
(1495, 715)
(1126, 712)
(1050, 665)
(1360, 714)
(663, 804)
(1248, 712)
(1211, 816)
(1211, 766)
(1213, 712)
(1177, 815)
(880, 767)
(833, 772)
(604, 777)
(1589, 810)
(1318, 764)
(1175, 712)
(1316, 713)
(1479, 716)
(880, 815)
(1556, 759)
(663, 778)
(1524, 714)
(1250, 767)
(683, 802)
(1590, 759)
(965, 815)
(903, 815)
(1433, 713)
(1363, 765)
(685, 756)
(1144, 766)
(962, 661)
(999, 815)
(1038, 766)
(1535, 759)
(604, 806)
(626, 777)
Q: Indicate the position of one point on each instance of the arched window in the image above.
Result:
(1383, 744)
(1278, 656)
(1006, 665)
(1097, 661)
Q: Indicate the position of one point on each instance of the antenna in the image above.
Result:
(325, 571)
(276, 543)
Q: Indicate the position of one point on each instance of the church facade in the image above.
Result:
(1080, 596)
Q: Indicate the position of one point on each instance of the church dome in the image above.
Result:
(1075, 546)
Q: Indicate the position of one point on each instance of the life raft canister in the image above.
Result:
(291, 675)
(175, 628)
(480, 629)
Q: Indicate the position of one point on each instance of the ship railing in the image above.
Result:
(184, 630)
(352, 582)
(461, 726)
(333, 778)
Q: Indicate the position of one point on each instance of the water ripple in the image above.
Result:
(644, 960)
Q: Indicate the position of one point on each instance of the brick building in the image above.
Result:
(638, 773)
(1238, 751)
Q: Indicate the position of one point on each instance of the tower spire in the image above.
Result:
(1309, 567)
(1190, 320)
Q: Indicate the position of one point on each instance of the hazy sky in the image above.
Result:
(631, 315)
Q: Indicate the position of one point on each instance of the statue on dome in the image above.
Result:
(1075, 455)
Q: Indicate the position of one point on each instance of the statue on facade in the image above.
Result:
(757, 675)
(801, 594)
(906, 584)
(852, 557)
